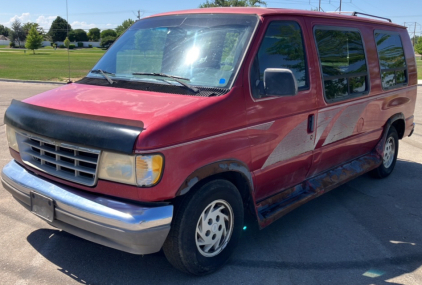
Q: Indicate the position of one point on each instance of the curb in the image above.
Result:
(32, 81)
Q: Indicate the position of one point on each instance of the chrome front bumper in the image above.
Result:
(124, 226)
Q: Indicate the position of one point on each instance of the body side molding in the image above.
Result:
(278, 205)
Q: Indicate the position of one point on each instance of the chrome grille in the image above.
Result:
(73, 163)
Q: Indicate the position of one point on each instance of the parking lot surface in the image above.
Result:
(367, 231)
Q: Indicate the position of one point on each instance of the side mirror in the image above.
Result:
(279, 82)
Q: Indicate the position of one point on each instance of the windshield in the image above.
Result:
(200, 49)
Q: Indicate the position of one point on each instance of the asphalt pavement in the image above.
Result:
(367, 231)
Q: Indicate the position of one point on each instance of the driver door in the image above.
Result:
(282, 127)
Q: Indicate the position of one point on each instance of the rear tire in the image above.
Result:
(391, 149)
(206, 228)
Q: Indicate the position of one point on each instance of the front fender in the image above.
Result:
(230, 165)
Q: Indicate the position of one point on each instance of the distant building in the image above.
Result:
(3, 38)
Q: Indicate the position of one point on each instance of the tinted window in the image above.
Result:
(281, 47)
(343, 63)
(391, 59)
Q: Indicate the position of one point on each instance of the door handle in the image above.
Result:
(311, 123)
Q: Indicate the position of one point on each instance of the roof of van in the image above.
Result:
(260, 11)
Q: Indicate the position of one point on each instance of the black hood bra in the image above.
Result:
(104, 133)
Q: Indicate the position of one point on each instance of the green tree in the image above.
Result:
(72, 36)
(58, 29)
(418, 46)
(107, 41)
(108, 33)
(18, 34)
(33, 40)
(233, 3)
(78, 35)
(67, 42)
(124, 26)
(5, 31)
(94, 34)
(27, 27)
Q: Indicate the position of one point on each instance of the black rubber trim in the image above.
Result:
(153, 87)
(104, 133)
(215, 168)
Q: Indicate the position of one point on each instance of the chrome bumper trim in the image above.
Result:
(124, 226)
(413, 129)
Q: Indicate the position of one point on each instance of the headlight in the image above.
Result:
(117, 167)
(141, 170)
(11, 138)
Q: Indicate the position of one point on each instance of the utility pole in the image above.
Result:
(414, 35)
(67, 36)
(319, 7)
(340, 6)
(414, 30)
(139, 14)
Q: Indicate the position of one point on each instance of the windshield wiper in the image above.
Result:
(103, 73)
(175, 78)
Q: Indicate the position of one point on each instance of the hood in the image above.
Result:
(165, 118)
(125, 104)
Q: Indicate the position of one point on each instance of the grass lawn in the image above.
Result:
(47, 64)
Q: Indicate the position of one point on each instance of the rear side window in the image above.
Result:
(391, 58)
(281, 47)
(343, 62)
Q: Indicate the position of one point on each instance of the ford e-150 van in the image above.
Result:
(193, 118)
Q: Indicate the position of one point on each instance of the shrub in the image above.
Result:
(51, 44)
(80, 44)
(72, 46)
(61, 46)
(66, 42)
(90, 46)
(12, 45)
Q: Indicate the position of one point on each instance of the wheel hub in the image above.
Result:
(389, 152)
(214, 228)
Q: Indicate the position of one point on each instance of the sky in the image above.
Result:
(106, 14)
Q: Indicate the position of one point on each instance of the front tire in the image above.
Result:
(206, 228)
(391, 149)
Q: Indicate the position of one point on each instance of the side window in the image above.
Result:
(391, 58)
(343, 63)
(281, 47)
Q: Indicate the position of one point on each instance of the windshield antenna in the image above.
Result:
(67, 35)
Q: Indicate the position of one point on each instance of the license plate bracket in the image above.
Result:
(42, 206)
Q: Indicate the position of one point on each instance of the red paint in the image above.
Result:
(192, 132)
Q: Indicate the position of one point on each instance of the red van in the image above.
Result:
(193, 118)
